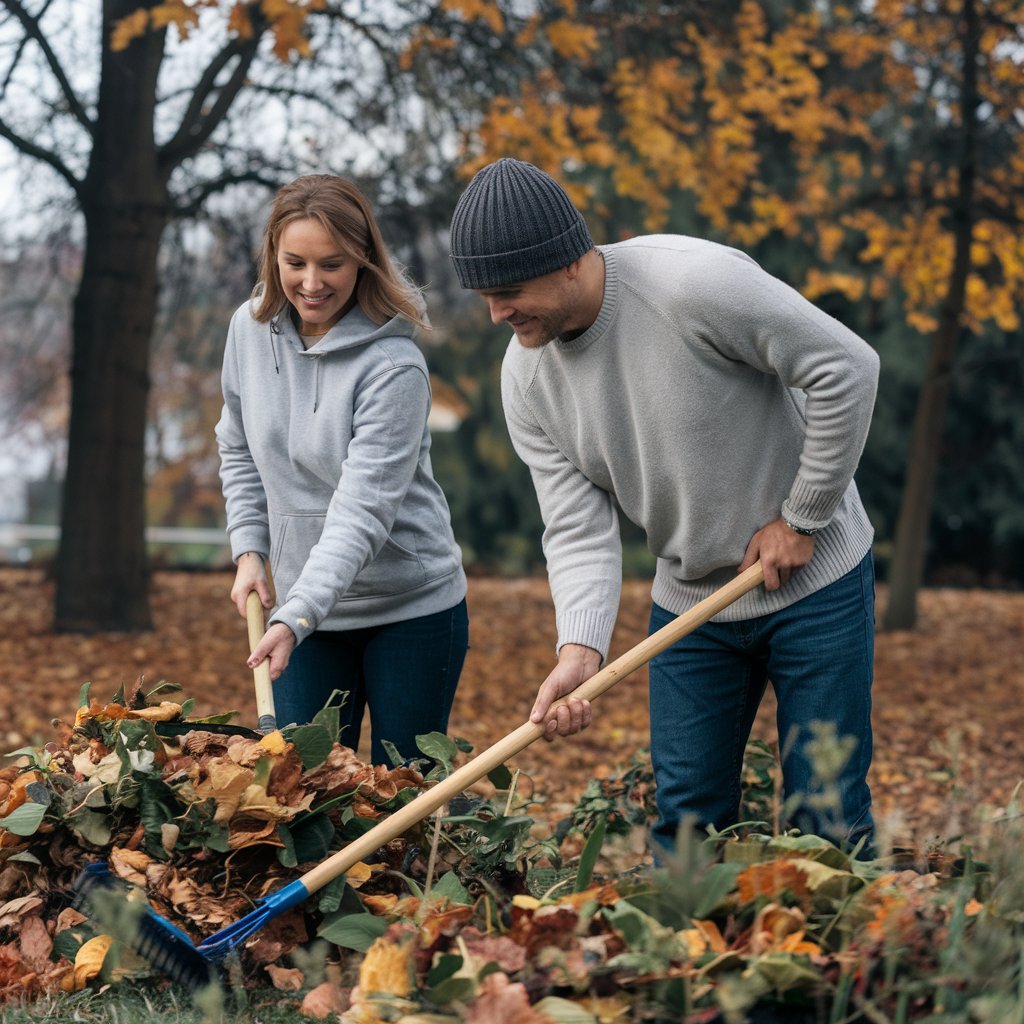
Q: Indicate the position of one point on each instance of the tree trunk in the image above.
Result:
(907, 569)
(102, 577)
(101, 569)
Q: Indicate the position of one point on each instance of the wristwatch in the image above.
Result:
(804, 531)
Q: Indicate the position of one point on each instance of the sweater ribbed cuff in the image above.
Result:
(249, 538)
(299, 618)
(589, 627)
(810, 507)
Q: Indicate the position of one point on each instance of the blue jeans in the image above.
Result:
(705, 690)
(405, 672)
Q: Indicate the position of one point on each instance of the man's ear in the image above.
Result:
(572, 271)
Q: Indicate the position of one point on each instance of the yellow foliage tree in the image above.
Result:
(884, 139)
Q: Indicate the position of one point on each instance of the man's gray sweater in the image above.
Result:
(707, 398)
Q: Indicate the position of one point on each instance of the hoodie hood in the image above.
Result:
(354, 328)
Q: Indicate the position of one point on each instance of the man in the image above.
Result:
(672, 378)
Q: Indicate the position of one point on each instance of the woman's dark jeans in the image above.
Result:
(405, 672)
(705, 690)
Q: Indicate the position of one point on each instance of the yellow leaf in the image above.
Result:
(176, 13)
(88, 963)
(525, 902)
(606, 1009)
(361, 872)
(572, 41)
(385, 969)
(477, 10)
(712, 935)
(257, 803)
(274, 742)
(381, 905)
(165, 711)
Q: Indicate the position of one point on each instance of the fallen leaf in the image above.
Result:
(165, 711)
(386, 969)
(503, 1002)
(324, 1000)
(285, 979)
(274, 742)
(14, 910)
(88, 963)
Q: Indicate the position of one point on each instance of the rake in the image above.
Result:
(171, 951)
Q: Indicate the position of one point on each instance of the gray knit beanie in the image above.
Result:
(513, 223)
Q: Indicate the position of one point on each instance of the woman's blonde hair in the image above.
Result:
(382, 290)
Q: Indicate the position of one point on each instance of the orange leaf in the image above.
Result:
(240, 21)
(380, 905)
(770, 880)
(127, 29)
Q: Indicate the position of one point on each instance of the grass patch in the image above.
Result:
(133, 1005)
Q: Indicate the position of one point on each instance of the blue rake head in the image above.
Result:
(101, 895)
(165, 946)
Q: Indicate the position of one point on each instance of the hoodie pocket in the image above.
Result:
(393, 571)
(292, 538)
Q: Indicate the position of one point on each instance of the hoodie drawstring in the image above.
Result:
(274, 330)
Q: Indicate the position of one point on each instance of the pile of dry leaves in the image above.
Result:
(485, 915)
(205, 822)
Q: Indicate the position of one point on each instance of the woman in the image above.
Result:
(325, 468)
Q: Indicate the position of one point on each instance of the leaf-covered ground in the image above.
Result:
(949, 697)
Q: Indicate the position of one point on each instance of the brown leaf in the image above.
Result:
(325, 1000)
(130, 865)
(545, 926)
(502, 1002)
(17, 979)
(285, 979)
(36, 944)
(508, 955)
(278, 938)
(12, 912)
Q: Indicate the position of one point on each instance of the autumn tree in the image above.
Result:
(877, 149)
(144, 111)
(960, 260)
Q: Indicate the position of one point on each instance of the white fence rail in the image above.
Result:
(12, 534)
(19, 542)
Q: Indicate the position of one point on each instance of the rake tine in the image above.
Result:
(101, 895)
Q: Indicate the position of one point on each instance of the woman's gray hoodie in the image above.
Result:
(325, 467)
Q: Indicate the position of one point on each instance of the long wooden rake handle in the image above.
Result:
(265, 710)
(429, 800)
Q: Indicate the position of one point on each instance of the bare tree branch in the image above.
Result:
(192, 205)
(196, 125)
(34, 30)
(326, 101)
(38, 152)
